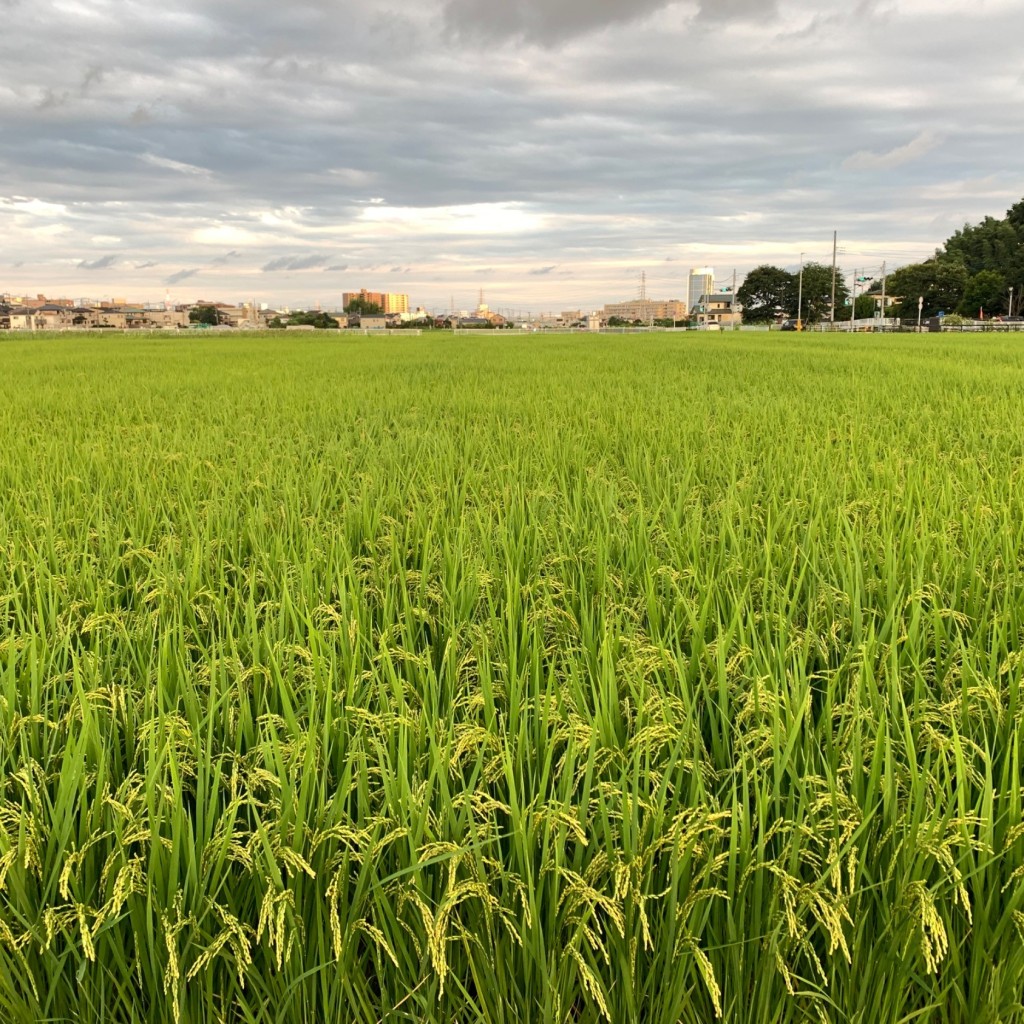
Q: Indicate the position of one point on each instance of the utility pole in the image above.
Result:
(800, 297)
(883, 295)
(732, 301)
(853, 300)
(832, 308)
(1009, 311)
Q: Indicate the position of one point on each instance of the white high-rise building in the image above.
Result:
(702, 282)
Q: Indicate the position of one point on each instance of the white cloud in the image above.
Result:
(488, 219)
(228, 235)
(916, 148)
(173, 165)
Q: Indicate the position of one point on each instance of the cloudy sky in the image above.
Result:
(546, 151)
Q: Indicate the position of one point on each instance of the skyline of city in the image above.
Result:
(670, 279)
(678, 297)
(546, 151)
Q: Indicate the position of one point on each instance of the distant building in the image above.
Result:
(716, 308)
(478, 321)
(702, 282)
(52, 316)
(389, 302)
(646, 310)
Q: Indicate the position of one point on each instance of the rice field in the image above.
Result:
(656, 679)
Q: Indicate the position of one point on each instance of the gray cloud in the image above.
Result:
(103, 263)
(591, 139)
(51, 100)
(740, 10)
(182, 275)
(543, 21)
(283, 263)
(94, 75)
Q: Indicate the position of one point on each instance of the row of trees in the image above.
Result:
(322, 321)
(770, 292)
(974, 270)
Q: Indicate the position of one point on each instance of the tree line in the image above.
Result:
(769, 293)
(973, 271)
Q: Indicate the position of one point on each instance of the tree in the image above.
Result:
(815, 297)
(363, 307)
(975, 268)
(321, 321)
(765, 293)
(986, 290)
(940, 281)
(996, 245)
(204, 315)
(865, 307)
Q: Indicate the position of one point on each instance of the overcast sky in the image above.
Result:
(547, 151)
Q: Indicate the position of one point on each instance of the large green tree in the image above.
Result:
(764, 294)
(204, 315)
(987, 290)
(363, 307)
(940, 281)
(815, 295)
(322, 321)
(994, 245)
(975, 269)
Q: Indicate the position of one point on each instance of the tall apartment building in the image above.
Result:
(389, 302)
(702, 282)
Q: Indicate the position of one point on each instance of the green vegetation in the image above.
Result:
(979, 268)
(206, 315)
(364, 307)
(769, 292)
(561, 679)
(975, 269)
(311, 318)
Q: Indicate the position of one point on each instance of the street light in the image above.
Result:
(920, 304)
(800, 297)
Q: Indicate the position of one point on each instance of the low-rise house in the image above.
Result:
(21, 318)
(716, 308)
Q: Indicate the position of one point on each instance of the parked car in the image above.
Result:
(788, 325)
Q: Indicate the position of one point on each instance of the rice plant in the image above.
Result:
(568, 679)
